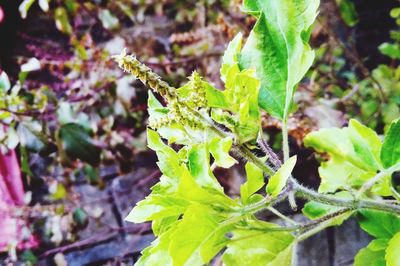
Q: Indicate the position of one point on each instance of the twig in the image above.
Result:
(272, 156)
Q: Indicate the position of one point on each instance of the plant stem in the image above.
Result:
(320, 224)
(370, 183)
(270, 153)
(310, 194)
(285, 140)
(281, 215)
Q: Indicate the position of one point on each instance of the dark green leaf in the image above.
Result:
(78, 144)
(390, 152)
(278, 49)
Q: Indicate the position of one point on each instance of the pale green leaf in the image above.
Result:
(157, 254)
(156, 207)
(379, 224)
(366, 143)
(155, 108)
(354, 158)
(199, 237)
(216, 98)
(255, 181)
(168, 158)
(257, 248)
(199, 167)
(390, 152)
(393, 251)
(219, 149)
(190, 190)
(241, 95)
(372, 255)
(162, 225)
(230, 58)
(278, 181)
(278, 49)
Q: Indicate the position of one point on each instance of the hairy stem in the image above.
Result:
(285, 140)
(269, 152)
(281, 215)
(370, 183)
(310, 194)
(315, 226)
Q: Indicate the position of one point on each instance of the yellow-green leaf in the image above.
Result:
(277, 182)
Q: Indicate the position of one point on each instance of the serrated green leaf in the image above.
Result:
(199, 237)
(216, 98)
(78, 144)
(393, 251)
(277, 48)
(157, 207)
(379, 224)
(390, 152)
(162, 225)
(278, 181)
(230, 58)
(157, 253)
(190, 190)
(372, 255)
(258, 248)
(155, 108)
(255, 181)
(354, 158)
(199, 167)
(219, 148)
(241, 94)
(366, 143)
(168, 160)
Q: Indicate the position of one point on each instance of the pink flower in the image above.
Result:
(11, 196)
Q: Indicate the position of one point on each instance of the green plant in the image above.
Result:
(193, 218)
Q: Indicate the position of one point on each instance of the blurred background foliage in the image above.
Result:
(75, 118)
